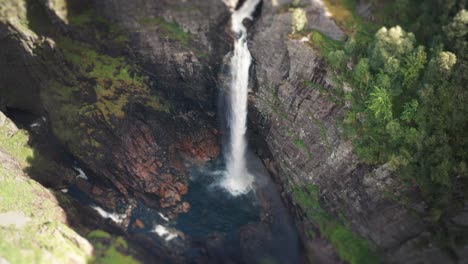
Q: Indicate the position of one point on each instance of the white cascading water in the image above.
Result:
(238, 180)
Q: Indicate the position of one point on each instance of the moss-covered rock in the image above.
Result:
(109, 249)
(92, 95)
(33, 224)
(39, 233)
(349, 246)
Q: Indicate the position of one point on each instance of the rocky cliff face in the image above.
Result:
(130, 88)
(180, 42)
(296, 114)
(134, 127)
(36, 223)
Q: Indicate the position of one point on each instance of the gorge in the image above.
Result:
(210, 131)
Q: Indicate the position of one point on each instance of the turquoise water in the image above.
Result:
(213, 209)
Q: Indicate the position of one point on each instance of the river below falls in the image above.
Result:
(251, 228)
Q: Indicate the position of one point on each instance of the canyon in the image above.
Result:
(130, 90)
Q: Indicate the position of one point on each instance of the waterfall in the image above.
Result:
(238, 180)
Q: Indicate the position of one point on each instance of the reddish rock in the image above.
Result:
(182, 188)
(150, 164)
(139, 224)
(201, 148)
(170, 198)
(97, 191)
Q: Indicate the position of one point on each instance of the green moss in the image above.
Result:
(323, 132)
(349, 246)
(97, 86)
(300, 144)
(171, 30)
(82, 18)
(324, 43)
(16, 145)
(174, 32)
(98, 234)
(109, 249)
(122, 38)
(116, 81)
(44, 238)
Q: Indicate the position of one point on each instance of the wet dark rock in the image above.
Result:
(139, 224)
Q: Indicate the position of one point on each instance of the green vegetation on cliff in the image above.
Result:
(171, 30)
(109, 249)
(408, 99)
(349, 246)
(174, 32)
(33, 226)
(92, 88)
(37, 232)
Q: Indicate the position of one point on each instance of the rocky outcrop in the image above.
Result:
(295, 111)
(180, 42)
(134, 128)
(35, 222)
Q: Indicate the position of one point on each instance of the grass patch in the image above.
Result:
(116, 82)
(82, 18)
(349, 246)
(44, 238)
(171, 30)
(16, 145)
(323, 43)
(174, 32)
(90, 20)
(300, 144)
(109, 249)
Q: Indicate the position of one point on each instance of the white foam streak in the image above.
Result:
(163, 217)
(81, 173)
(117, 218)
(164, 233)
